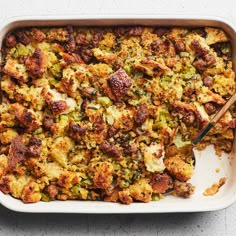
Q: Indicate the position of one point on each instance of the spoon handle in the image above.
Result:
(214, 119)
(222, 111)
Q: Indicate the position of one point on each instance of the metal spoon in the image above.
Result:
(206, 130)
(214, 120)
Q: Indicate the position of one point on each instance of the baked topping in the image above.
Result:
(107, 113)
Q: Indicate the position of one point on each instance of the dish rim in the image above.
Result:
(101, 20)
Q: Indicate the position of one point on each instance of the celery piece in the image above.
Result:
(75, 190)
(21, 50)
(190, 72)
(155, 197)
(105, 101)
(184, 54)
(124, 184)
(128, 68)
(55, 69)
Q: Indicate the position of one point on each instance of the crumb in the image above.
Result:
(214, 188)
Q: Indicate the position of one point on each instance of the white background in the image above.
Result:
(210, 223)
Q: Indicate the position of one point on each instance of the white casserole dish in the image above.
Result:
(206, 161)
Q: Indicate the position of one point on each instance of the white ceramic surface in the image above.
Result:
(206, 161)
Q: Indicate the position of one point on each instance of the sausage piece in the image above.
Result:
(141, 115)
(119, 83)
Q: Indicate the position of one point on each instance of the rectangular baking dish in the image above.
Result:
(206, 161)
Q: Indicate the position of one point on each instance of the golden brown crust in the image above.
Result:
(31, 192)
(151, 67)
(15, 70)
(25, 118)
(125, 197)
(141, 191)
(103, 175)
(108, 113)
(119, 83)
(179, 168)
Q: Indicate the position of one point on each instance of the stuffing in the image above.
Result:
(104, 56)
(3, 165)
(82, 193)
(25, 118)
(38, 35)
(215, 35)
(31, 192)
(183, 189)
(178, 168)
(7, 136)
(60, 149)
(16, 70)
(224, 85)
(57, 102)
(17, 184)
(109, 40)
(153, 157)
(227, 121)
(8, 86)
(141, 191)
(57, 34)
(124, 197)
(152, 67)
(119, 84)
(205, 95)
(53, 170)
(90, 113)
(100, 70)
(201, 114)
(102, 174)
(36, 64)
(161, 183)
